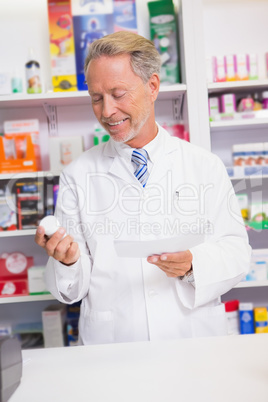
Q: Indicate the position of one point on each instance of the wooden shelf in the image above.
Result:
(73, 98)
(30, 298)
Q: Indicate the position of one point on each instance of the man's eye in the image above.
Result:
(96, 100)
(118, 96)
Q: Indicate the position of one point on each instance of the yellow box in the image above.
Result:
(261, 320)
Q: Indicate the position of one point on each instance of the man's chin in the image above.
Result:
(122, 137)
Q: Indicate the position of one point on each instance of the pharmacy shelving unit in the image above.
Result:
(244, 33)
(202, 32)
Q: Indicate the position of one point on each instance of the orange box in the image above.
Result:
(19, 148)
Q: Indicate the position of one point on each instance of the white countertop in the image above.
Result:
(229, 369)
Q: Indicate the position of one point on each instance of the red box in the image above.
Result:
(15, 266)
(14, 287)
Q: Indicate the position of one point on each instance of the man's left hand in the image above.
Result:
(173, 264)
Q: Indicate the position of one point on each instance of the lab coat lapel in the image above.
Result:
(119, 167)
(160, 168)
(164, 162)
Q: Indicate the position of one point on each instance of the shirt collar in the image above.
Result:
(153, 148)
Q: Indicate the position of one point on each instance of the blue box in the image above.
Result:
(246, 318)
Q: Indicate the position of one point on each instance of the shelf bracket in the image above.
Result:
(51, 112)
(177, 107)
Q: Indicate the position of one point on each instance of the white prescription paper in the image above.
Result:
(143, 249)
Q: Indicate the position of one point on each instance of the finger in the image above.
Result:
(40, 237)
(152, 259)
(185, 266)
(171, 272)
(72, 254)
(57, 248)
(181, 256)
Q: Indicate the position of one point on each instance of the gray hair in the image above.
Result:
(144, 57)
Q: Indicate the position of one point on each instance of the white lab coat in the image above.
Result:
(128, 299)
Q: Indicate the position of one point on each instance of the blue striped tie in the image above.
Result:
(139, 157)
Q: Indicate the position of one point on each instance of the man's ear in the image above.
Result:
(154, 85)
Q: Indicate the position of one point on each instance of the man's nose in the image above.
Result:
(108, 107)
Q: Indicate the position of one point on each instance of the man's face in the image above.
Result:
(122, 103)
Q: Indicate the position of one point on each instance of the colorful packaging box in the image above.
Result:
(228, 103)
(13, 287)
(218, 67)
(15, 266)
(8, 219)
(29, 203)
(241, 67)
(252, 66)
(125, 18)
(261, 320)
(62, 51)
(246, 318)
(213, 106)
(92, 21)
(163, 31)
(72, 321)
(230, 67)
(19, 147)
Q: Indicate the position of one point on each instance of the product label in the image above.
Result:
(16, 263)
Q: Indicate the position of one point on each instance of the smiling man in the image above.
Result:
(142, 185)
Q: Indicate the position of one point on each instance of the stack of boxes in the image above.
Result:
(18, 276)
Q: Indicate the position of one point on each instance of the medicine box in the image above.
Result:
(62, 50)
(218, 68)
(63, 150)
(228, 103)
(261, 320)
(163, 32)
(230, 67)
(19, 147)
(5, 84)
(53, 318)
(15, 266)
(246, 318)
(13, 287)
(214, 106)
(242, 66)
(36, 280)
(8, 218)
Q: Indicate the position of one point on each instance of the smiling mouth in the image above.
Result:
(116, 123)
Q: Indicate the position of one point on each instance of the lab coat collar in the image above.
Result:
(111, 147)
(121, 168)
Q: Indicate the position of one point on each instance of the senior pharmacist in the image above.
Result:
(142, 185)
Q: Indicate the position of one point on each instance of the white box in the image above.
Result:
(63, 150)
(36, 280)
(53, 318)
(5, 84)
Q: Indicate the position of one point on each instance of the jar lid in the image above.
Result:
(231, 305)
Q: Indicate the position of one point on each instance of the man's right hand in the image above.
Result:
(62, 249)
